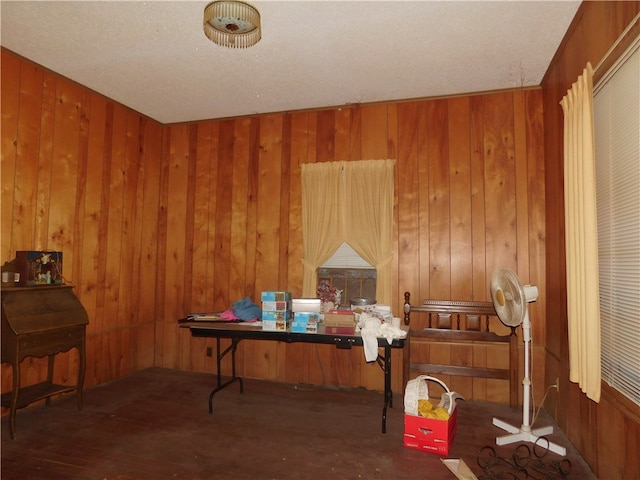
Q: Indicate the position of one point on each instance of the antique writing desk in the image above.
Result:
(239, 331)
(40, 321)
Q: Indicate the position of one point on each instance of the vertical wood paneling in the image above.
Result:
(478, 208)
(500, 192)
(479, 268)
(178, 218)
(408, 189)
(392, 153)
(343, 139)
(88, 283)
(116, 343)
(9, 88)
(211, 225)
(223, 194)
(325, 137)
(374, 132)
(460, 223)
(536, 253)
(146, 261)
(251, 251)
(460, 194)
(439, 231)
(64, 169)
(81, 187)
(200, 300)
(26, 167)
(298, 143)
(176, 247)
(64, 178)
(356, 134)
(159, 297)
(241, 226)
(300, 357)
(10, 91)
(48, 121)
(285, 203)
(267, 239)
(131, 178)
(423, 213)
(187, 271)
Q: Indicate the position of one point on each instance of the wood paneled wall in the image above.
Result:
(606, 433)
(156, 221)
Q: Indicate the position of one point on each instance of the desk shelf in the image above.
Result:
(34, 393)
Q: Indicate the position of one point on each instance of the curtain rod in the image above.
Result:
(617, 42)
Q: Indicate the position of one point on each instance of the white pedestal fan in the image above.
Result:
(511, 299)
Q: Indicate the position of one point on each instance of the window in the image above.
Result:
(617, 153)
(348, 201)
(349, 272)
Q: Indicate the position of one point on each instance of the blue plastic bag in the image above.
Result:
(245, 309)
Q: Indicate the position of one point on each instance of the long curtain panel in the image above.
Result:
(354, 200)
(583, 306)
(321, 218)
(368, 209)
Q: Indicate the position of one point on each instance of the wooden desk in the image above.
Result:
(239, 331)
(39, 321)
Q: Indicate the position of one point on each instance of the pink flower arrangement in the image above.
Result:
(327, 293)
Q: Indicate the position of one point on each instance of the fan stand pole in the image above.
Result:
(524, 433)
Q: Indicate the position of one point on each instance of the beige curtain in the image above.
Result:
(583, 306)
(368, 209)
(321, 218)
(359, 196)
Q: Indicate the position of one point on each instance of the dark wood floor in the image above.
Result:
(155, 425)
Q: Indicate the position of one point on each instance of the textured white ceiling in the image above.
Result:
(154, 57)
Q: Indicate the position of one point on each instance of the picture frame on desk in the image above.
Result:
(36, 268)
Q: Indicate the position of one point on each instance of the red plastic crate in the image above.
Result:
(430, 435)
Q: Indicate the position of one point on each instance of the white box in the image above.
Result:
(306, 305)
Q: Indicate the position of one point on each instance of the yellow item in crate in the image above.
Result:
(425, 409)
(417, 390)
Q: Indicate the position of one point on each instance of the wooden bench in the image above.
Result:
(463, 322)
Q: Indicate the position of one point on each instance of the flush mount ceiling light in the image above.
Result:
(232, 23)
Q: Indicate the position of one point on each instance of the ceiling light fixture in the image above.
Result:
(232, 23)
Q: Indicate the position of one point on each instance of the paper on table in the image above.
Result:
(194, 317)
(459, 468)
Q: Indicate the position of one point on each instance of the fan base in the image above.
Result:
(523, 434)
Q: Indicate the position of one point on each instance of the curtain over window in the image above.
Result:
(581, 236)
(348, 202)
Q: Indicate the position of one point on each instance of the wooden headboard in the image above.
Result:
(463, 322)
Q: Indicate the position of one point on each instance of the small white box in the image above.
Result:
(306, 305)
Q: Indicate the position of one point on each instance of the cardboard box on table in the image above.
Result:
(276, 306)
(305, 322)
(276, 321)
(276, 311)
(275, 296)
(340, 322)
